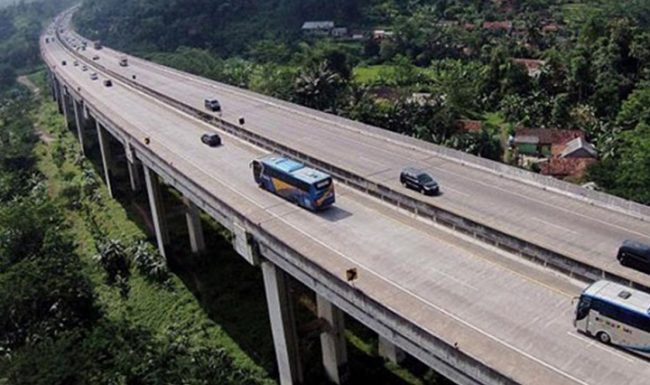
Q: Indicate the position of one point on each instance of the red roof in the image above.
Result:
(497, 25)
(467, 125)
(550, 136)
(563, 167)
(531, 65)
(551, 27)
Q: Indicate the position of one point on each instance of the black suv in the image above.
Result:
(212, 105)
(634, 254)
(419, 180)
(211, 139)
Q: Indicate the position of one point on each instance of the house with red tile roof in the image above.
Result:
(544, 141)
(498, 26)
(467, 125)
(532, 66)
(561, 168)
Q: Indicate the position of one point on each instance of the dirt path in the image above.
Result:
(24, 80)
(44, 136)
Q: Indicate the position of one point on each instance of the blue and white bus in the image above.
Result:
(307, 187)
(615, 314)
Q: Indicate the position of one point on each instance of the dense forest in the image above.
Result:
(20, 27)
(582, 66)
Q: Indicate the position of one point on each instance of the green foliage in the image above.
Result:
(124, 355)
(20, 26)
(114, 259)
(149, 262)
(42, 291)
(627, 174)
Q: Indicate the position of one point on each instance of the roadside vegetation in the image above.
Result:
(84, 297)
(592, 67)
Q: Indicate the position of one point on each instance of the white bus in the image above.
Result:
(615, 314)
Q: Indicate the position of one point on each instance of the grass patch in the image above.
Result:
(371, 74)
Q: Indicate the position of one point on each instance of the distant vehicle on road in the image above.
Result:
(615, 314)
(211, 139)
(97, 44)
(212, 105)
(124, 62)
(96, 57)
(84, 68)
(419, 180)
(94, 76)
(108, 83)
(304, 186)
(634, 253)
(75, 63)
(63, 62)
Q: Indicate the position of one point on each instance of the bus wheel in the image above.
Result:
(604, 338)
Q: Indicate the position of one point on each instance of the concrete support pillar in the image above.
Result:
(195, 230)
(157, 209)
(390, 352)
(57, 94)
(105, 149)
(52, 85)
(79, 122)
(283, 325)
(332, 340)
(64, 106)
(134, 175)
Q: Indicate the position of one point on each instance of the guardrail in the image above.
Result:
(415, 340)
(535, 253)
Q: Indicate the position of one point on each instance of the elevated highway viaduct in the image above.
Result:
(474, 312)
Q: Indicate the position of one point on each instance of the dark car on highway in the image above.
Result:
(108, 83)
(212, 105)
(211, 139)
(635, 254)
(419, 180)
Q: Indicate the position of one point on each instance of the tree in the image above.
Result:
(628, 173)
(319, 87)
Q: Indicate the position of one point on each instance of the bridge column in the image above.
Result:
(105, 149)
(133, 166)
(283, 325)
(332, 340)
(157, 209)
(390, 352)
(134, 175)
(195, 230)
(79, 121)
(57, 94)
(52, 83)
(64, 106)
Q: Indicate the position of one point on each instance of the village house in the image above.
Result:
(467, 125)
(380, 34)
(533, 67)
(318, 28)
(543, 142)
(505, 26)
(339, 32)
